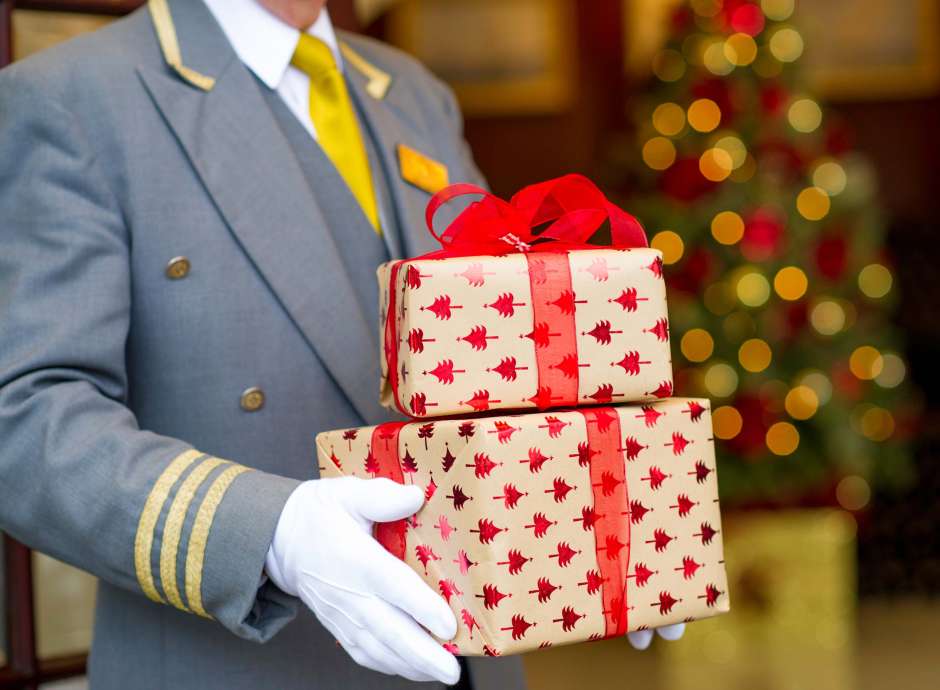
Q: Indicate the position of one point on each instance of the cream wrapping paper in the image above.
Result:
(530, 531)
(535, 330)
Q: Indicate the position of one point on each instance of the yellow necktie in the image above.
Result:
(335, 120)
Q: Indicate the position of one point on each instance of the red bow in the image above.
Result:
(572, 204)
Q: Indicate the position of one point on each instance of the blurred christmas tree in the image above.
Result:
(780, 289)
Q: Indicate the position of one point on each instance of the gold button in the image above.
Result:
(252, 400)
(177, 268)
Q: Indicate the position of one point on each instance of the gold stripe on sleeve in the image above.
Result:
(199, 536)
(143, 541)
(173, 528)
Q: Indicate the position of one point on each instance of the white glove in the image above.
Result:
(640, 639)
(370, 601)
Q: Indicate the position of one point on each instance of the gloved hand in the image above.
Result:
(640, 639)
(370, 601)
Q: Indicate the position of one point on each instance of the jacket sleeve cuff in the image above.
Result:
(249, 504)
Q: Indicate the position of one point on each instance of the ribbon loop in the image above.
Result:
(573, 206)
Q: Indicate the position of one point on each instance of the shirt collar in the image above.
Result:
(264, 43)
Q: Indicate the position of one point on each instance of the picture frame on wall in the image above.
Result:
(854, 49)
(501, 57)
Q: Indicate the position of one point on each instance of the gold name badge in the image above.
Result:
(423, 172)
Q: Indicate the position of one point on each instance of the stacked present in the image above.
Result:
(554, 525)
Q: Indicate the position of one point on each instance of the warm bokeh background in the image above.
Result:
(834, 579)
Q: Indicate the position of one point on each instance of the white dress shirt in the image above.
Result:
(265, 45)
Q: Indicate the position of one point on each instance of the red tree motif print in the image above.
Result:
(458, 497)
(564, 553)
(664, 390)
(706, 533)
(413, 277)
(482, 465)
(544, 589)
(477, 338)
(486, 530)
(469, 621)
(444, 371)
(474, 274)
(567, 302)
(503, 431)
(569, 365)
(642, 574)
(631, 363)
(588, 517)
(540, 525)
(632, 447)
(711, 595)
(684, 504)
(543, 397)
(463, 562)
(519, 627)
(444, 527)
(612, 545)
(679, 443)
(604, 394)
(585, 454)
(695, 410)
(491, 596)
(637, 511)
(371, 464)
(536, 459)
(510, 496)
(628, 299)
(419, 404)
(430, 489)
(540, 334)
(656, 267)
(507, 368)
(515, 560)
(480, 401)
(608, 483)
(661, 539)
(335, 460)
(593, 581)
(601, 332)
(569, 617)
(426, 554)
(665, 603)
(688, 567)
(466, 430)
(560, 489)
(350, 436)
(416, 340)
(408, 464)
(442, 307)
(650, 415)
(505, 305)
(660, 329)
(448, 459)
(554, 425)
(701, 472)
(599, 269)
(656, 477)
(448, 589)
(426, 431)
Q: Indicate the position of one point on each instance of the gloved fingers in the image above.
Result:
(640, 639)
(411, 642)
(360, 650)
(382, 500)
(403, 588)
(381, 654)
(671, 632)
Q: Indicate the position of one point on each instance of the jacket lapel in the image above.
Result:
(233, 142)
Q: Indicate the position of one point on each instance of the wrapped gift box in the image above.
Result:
(525, 330)
(555, 527)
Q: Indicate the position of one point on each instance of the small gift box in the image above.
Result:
(556, 527)
(504, 317)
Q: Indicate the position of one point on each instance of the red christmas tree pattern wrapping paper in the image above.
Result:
(527, 330)
(553, 527)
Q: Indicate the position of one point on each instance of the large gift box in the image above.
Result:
(504, 318)
(554, 527)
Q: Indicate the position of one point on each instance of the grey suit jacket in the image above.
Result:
(120, 151)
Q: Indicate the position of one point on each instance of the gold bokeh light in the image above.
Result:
(782, 438)
(659, 153)
(866, 362)
(801, 402)
(727, 422)
(670, 244)
(786, 44)
(704, 115)
(791, 283)
(669, 119)
(755, 355)
(727, 227)
(813, 203)
(697, 345)
(752, 289)
(875, 281)
(715, 164)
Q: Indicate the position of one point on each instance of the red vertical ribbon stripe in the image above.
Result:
(611, 506)
(384, 450)
(556, 350)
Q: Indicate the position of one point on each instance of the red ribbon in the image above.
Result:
(384, 449)
(573, 209)
(612, 526)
